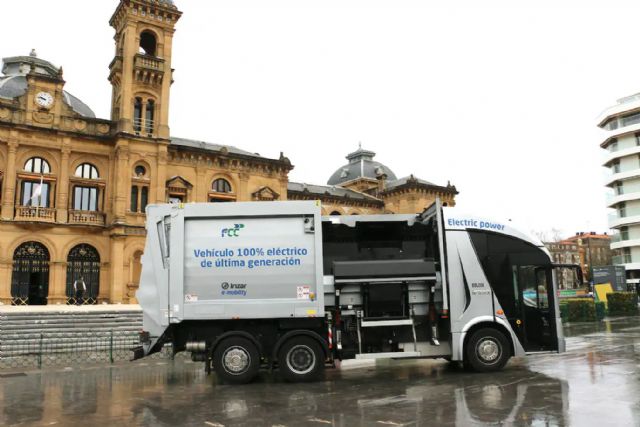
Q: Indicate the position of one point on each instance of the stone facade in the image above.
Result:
(365, 187)
(74, 187)
(594, 250)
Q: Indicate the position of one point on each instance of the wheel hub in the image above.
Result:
(236, 360)
(301, 359)
(488, 350)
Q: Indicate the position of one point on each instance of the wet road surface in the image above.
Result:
(596, 383)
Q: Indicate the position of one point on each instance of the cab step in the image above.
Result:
(389, 355)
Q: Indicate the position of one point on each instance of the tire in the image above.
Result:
(301, 359)
(487, 350)
(236, 360)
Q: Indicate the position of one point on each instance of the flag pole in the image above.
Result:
(39, 196)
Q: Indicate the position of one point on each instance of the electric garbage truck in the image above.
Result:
(250, 285)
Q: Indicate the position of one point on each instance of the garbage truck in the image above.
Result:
(274, 285)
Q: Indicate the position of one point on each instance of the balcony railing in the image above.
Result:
(35, 213)
(618, 237)
(622, 259)
(143, 126)
(149, 62)
(86, 217)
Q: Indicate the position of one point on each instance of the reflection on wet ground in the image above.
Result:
(595, 383)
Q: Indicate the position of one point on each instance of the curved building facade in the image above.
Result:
(621, 127)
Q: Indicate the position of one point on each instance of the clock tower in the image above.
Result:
(141, 73)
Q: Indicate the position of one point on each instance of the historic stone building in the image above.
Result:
(74, 187)
(364, 186)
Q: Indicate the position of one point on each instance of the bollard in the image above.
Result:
(111, 347)
(40, 352)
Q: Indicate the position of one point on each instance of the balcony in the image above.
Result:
(148, 69)
(627, 217)
(625, 243)
(622, 259)
(143, 127)
(35, 213)
(619, 153)
(624, 196)
(149, 62)
(622, 175)
(87, 217)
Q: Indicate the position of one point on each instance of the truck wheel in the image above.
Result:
(236, 360)
(301, 359)
(487, 350)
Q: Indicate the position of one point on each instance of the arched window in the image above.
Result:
(30, 277)
(37, 165)
(148, 43)
(221, 191)
(87, 171)
(85, 196)
(137, 115)
(221, 185)
(139, 189)
(83, 275)
(148, 121)
(335, 213)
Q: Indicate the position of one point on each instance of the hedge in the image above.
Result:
(622, 303)
(601, 309)
(581, 310)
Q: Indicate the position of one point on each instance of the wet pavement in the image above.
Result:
(596, 383)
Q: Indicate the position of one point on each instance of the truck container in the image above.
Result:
(251, 285)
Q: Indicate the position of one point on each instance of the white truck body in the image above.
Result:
(263, 273)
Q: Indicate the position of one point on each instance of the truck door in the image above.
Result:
(534, 322)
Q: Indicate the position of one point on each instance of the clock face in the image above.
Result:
(44, 99)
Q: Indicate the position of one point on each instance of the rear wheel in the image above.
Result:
(301, 359)
(236, 360)
(487, 350)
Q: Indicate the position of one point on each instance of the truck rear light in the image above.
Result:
(444, 314)
(330, 338)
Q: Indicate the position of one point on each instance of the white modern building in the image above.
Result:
(621, 139)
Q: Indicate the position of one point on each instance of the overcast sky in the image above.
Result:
(500, 100)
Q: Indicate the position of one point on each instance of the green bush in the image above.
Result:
(601, 308)
(581, 310)
(564, 311)
(622, 303)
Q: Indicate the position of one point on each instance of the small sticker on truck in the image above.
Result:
(303, 292)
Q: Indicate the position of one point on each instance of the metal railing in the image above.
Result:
(143, 126)
(35, 213)
(50, 349)
(622, 259)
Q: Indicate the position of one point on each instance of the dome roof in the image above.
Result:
(361, 165)
(13, 83)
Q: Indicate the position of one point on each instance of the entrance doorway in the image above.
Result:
(30, 277)
(83, 275)
(536, 325)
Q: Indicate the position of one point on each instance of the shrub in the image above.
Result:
(564, 311)
(581, 310)
(622, 303)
